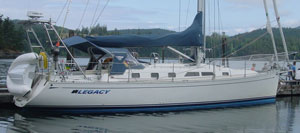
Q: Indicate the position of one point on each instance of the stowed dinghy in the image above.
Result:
(21, 74)
(115, 81)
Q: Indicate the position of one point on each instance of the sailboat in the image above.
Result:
(115, 81)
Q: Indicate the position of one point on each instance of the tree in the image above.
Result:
(10, 36)
(7, 33)
(1, 33)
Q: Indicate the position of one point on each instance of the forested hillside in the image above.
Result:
(261, 46)
(13, 39)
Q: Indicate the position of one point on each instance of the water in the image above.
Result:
(4, 65)
(282, 116)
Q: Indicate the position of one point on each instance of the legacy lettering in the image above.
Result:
(90, 92)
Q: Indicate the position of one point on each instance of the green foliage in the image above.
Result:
(11, 37)
(261, 46)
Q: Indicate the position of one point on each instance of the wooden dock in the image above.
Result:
(289, 88)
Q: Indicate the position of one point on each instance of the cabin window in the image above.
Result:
(225, 74)
(135, 75)
(191, 74)
(207, 73)
(155, 75)
(172, 75)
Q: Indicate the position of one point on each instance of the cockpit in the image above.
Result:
(115, 60)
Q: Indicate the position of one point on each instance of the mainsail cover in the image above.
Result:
(192, 36)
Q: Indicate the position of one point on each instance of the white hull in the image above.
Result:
(157, 94)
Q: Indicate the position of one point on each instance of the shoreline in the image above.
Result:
(9, 54)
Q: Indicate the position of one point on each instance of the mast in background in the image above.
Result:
(269, 29)
(281, 31)
(200, 55)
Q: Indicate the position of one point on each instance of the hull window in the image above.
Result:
(155, 75)
(191, 74)
(172, 75)
(225, 74)
(207, 73)
(135, 75)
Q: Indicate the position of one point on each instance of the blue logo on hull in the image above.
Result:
(90, 92)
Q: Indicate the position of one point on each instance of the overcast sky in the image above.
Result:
(237, 16)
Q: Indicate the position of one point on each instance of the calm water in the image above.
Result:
(282, 116)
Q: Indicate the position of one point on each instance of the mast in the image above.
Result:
(281, 31)
(269, 29)
(201, 54)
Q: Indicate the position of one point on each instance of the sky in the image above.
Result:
(233, 16)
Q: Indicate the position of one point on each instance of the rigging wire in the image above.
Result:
(213, 44)
(97, 6)
(101, 12)
(65, 19)
(219, 24)
(62, 10)
(246, 45)
(179, 14)
(209, 20)
(214, 15)
(240, 36)
(220, 17)
(187, 13)
(209, 17)
(87, 3)
(243, 35)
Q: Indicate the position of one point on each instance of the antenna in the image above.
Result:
(34, 15)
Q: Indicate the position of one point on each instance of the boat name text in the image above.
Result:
(90, 91)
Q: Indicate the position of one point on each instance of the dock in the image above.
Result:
(289, 88)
